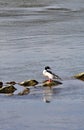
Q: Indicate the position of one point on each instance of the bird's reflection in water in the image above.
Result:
(49, 93)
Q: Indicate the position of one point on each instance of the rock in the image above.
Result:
(8, 89)
(80, 76)
(28, 83)
(11, 82)
(52, 83)
(1, 84)
(24, 92)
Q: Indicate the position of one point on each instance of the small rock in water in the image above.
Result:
(11, 82)
(52, 83)
(1, 84)
(8, 89)
(28, 83)
(24, 92)
(80, 76)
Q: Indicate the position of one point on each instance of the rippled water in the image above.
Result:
(34, 34)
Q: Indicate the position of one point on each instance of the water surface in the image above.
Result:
(34, 34)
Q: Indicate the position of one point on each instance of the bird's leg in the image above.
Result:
(50, 80)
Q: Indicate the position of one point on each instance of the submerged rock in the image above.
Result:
(24, 92)
(8, 89)
(1, 84)
(11, 82)
(80, 76)
(52, 83)
(28, 83)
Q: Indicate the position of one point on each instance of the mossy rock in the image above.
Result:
(24, 92)
(8, 89)
(28, 83)
(80, 76)
(1, 84)
(52, 83)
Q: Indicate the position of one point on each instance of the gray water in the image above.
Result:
(33, 34)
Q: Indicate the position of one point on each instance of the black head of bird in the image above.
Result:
(47, 67)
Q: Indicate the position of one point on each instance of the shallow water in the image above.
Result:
(34, 34)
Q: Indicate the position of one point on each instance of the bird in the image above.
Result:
(49, 74)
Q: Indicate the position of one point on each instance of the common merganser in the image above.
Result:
(49, 74)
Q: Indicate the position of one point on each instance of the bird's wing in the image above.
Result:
(55, 76)
(49, 72)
